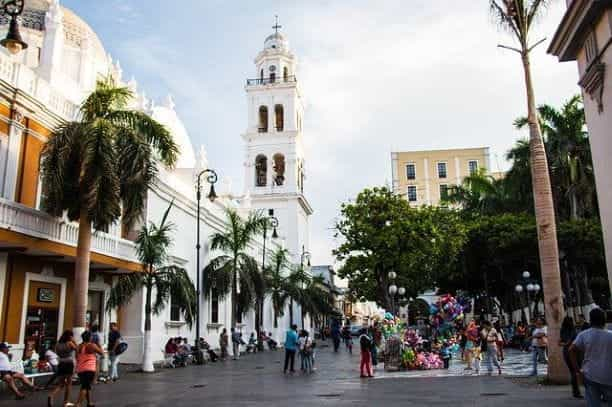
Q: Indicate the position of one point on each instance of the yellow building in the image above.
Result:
(423, 177)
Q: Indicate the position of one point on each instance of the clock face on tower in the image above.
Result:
(272, 68)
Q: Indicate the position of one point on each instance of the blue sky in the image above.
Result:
(377, 76)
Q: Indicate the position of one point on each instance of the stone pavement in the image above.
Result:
(257, 380)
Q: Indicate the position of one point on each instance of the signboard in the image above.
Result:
(45, 295)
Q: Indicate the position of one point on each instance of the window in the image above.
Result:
(279, 169)
(279, 117)
(410, 171)
(263, 119)
(285, 74)
(272, 77)
(590, 48)
(441, 170)
(261, 170)
(473, 167)
(412, 193)
(214, 306)
(175, 310)
(443, 192)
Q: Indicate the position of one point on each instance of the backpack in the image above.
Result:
(121, 347)
(365, 342)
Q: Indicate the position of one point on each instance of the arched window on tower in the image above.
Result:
(272, 77)
(279, 116)
(279, 169)
(263, 119)
(261, 77)
(285, 74)
(261, 170)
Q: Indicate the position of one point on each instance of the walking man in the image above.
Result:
(291, 344)
(114, 338)
(236, 341)
(595, 345)
(491, 336)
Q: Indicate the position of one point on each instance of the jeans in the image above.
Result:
(593, 393)
(537, 352)
(236, 350)
(306, 361)
(491, 358)
(289, 357)
(114, 362)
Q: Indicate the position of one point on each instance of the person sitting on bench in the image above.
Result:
(8, 375)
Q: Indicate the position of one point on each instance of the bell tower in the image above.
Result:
(275, 160)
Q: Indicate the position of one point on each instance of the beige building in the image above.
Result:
(585, 36)
(423, 177)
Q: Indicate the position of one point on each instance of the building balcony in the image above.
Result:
(271, 81)
(27, 80)
(31, 222)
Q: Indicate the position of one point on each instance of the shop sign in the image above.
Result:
(45, 295)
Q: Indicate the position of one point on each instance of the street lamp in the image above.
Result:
(528, 286)
(304, 255)
(13, 41)
(273, 221)
(211, 178)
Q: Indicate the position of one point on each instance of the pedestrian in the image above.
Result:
(472, 339)
(8, 375)
(490, 336)
(223, 343)
(374, 346)
(539, 343)
(595, 347)
(291, 344)
(305, 344)
(335, 333)
(501, 340)
(521, 336)
(568, 335)
(95, 338)
(365, 344)
(114, 339)
(65, 369)
(236, 342)
(86, 367)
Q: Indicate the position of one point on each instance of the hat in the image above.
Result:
(4, 345)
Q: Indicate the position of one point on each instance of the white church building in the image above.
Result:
(41, 88)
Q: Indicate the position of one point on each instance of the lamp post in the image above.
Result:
(13, 41)
(274, 223)
(528, 286)
(394, 290)
(211, 178)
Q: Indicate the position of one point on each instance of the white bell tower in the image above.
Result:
(274, 160)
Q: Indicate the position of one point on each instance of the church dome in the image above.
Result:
(166, 115)
(276, 41)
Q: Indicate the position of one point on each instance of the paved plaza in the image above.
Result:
(257, 380)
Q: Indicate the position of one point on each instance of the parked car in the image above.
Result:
(356, 330)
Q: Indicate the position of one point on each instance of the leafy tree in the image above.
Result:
(236, 266)
(519, 17)
(382, 233)
(99, 169)
(157, 276)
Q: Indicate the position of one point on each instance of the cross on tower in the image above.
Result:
(276, 26)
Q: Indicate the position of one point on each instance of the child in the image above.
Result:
(445, 355)
(476, 357)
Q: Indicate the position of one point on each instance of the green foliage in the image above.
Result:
(166, 280)
(236, 266)
(382, 233)
(103, 165)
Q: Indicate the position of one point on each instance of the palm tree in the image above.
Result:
(569, 152)
(480, 193)
(97, 170)
(317, 301)
(167, 281)
(295, 284)
(276, 282)
(235, 266)
(518, 17)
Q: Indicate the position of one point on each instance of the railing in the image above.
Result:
(271, 80)
(22, 219)
(21, 77)
(262, 130)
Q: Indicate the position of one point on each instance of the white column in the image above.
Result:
(53, 44)
(14, 152)
(426, 174)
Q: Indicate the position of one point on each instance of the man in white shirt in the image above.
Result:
(595, 344)
(8, 375)
(539, 342)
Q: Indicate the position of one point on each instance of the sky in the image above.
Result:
(376, 76)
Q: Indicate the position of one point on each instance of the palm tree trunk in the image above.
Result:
(81, 274)
(234, 293)
(547, 231)
(147, 357)
(291, 312)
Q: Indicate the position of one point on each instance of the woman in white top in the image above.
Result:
(539, 343)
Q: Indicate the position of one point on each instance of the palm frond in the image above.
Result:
(106, 98)
(218, 275)
(126, 287)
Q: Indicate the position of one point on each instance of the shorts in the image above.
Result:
(469, 345)
(65, 368)
(86, 378)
